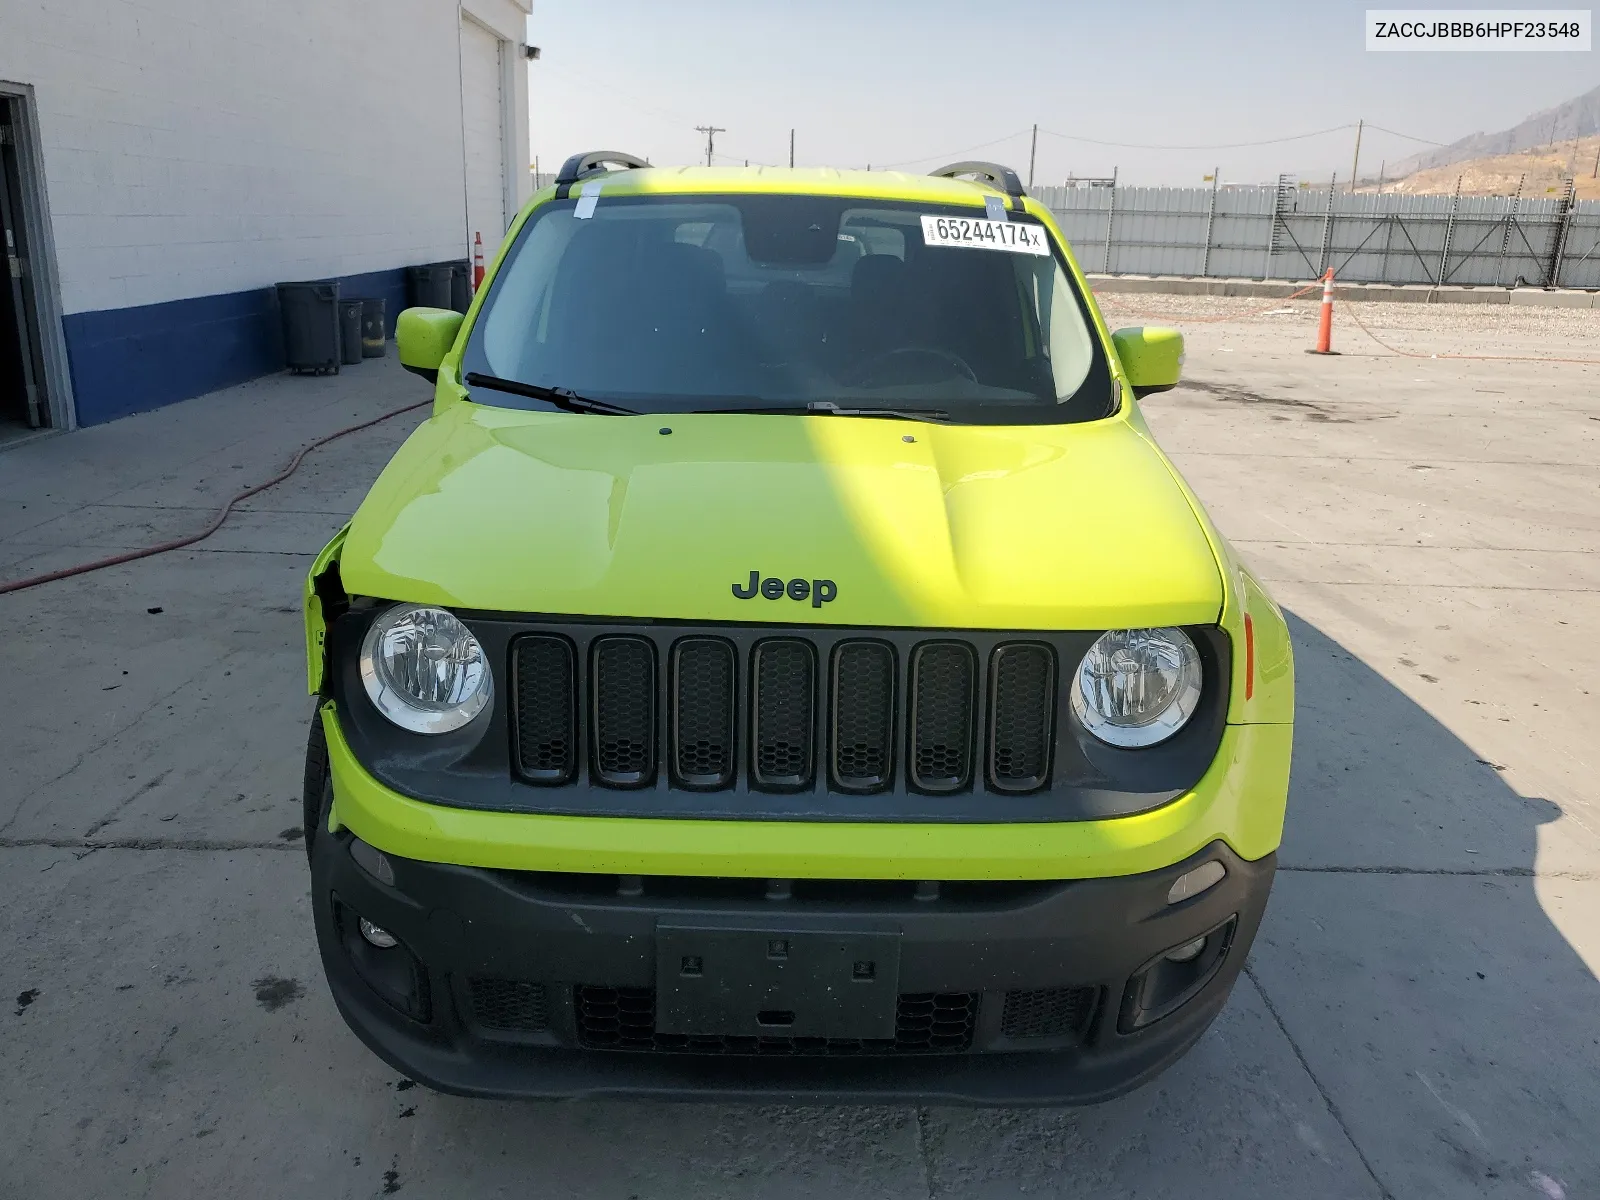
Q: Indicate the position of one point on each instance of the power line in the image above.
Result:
(743, 159)
(640, 102)
(1408, 137)
(948, 154)
(1295, 137)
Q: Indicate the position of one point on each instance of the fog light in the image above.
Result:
(1166, 983)
(383, 939)
(1192, 883)
(1187, 952)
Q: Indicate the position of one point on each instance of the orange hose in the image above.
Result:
(1587, 362)
(30, 581)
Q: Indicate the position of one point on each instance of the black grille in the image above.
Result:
(625, 1019)
(1022, 681)
(784, 719)
(1047, 1012)
(509, 1005)
(703, 712)
(941, 717)
(624, 711)
(547, 735)
(713, 711)
(863, 715)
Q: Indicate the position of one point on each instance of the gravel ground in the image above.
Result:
(1419, 328)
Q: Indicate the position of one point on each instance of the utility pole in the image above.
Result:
(1033, 149)
(1595, 174)
(1359, 126)
(711, 132)
(791, 147)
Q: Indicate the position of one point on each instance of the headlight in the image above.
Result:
(1137, 687)
(424, 670)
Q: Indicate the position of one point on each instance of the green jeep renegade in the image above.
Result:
(784, 666)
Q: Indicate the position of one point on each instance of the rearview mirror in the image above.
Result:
(1152, 357)
(423, 336)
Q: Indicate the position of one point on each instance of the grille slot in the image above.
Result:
(624, 697)
(863, 716)
(625, 1019)
(547, 734)
(1047, 1012)
(509, 1005)
(783, 719)
(703, 712)
(1022, 681)
(941, 716)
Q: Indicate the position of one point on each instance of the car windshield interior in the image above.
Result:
(671, 303)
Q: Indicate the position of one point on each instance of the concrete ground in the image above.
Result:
(1421, 1016)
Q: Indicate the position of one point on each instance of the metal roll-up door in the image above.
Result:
(483, 130)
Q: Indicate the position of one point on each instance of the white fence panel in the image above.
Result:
(1296, 234)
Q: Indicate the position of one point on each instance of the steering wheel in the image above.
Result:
(909, 354)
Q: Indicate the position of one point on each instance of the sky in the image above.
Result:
(917, 83)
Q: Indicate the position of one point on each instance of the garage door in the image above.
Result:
(483, 122)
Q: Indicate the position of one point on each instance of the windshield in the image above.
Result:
(673, 304)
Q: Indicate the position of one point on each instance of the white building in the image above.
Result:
(164, 162)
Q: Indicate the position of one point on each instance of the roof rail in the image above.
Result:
(579, 165)
(1003, 178)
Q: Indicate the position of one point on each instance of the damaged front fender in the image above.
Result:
(324, 599)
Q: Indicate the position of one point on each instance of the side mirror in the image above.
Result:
(1152, 357)
(423, 336)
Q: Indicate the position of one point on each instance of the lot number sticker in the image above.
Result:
(985, 235)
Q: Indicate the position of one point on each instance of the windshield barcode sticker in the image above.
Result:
(588, 197)
(985, 235)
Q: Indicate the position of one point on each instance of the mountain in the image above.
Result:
(1577, 118)
(1541, 173)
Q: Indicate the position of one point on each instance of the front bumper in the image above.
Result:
(1035, 983)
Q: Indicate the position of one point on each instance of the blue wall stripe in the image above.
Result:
(129, 360)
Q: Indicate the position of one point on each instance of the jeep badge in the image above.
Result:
(820, 591)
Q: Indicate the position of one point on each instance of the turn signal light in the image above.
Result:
(1192, 883)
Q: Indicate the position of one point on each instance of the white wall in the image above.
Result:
(194, 147)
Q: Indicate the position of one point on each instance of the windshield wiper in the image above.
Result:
(564, 398)
(904, 414)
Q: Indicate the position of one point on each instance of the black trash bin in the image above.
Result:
(350, 331)
(310, 315)
(373, 323)
(461, 285)
(429, 285)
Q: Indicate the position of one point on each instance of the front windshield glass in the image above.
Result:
(673, 303)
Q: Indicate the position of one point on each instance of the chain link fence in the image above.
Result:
(1291, 233)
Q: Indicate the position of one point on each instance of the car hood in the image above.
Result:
(914, 524)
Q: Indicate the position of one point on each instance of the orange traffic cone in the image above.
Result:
(477, 261)
(1325, 323)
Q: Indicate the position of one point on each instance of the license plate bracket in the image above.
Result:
(765, 983)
